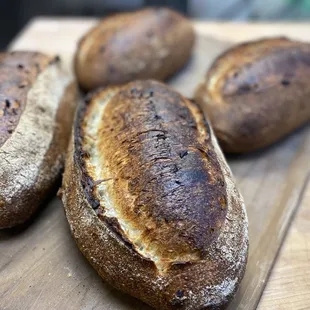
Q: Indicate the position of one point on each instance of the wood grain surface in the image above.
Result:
(41, 267)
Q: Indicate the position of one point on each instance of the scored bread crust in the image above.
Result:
(32, 156)
(208, 282)
(257, 92)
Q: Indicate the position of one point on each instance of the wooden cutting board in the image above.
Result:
(41, 267)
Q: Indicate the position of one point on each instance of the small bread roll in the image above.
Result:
(257, 93)
(151, 43)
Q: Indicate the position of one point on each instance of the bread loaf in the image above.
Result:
(151, 43)
(257, 92)
(37, 101)
(151, 201)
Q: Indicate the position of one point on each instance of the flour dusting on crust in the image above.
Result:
(206, 284)
(24, 152)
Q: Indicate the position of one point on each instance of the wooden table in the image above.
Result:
(275, 181)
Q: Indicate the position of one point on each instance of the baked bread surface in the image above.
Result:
(150, 199)
(18, 72)
(38, 100)
(150, 43)
(257, 92)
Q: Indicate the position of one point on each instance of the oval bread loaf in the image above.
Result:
(151, 43)
(257, 92)
(150, 198)
(37, 101)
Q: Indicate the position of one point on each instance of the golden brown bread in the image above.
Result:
(151, 43)
(150, 199)
(37, 108)
(257, 92)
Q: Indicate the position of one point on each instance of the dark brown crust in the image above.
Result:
(161, 135)
(20, 208)
(261, 93)
(207, 283)
(18, 72)
(151, 43)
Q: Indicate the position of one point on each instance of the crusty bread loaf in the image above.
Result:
(257, 92)
(151, 43)
(37, 101)
(150, 198)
